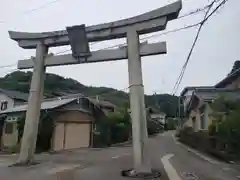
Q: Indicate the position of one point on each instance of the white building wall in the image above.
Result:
(10, 101)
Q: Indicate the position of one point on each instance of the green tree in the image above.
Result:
(226, 113)
(120, 126)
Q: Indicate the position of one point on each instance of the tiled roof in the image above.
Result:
(210, 95)
(102, 103)
(231, 77)
(15, 94)
(49, 104)
(213, 93)
(189, 88)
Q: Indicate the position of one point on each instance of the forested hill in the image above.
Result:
(56, 85)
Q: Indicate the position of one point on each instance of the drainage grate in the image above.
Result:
(189, 176)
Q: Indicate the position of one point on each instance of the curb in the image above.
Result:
(199, 154)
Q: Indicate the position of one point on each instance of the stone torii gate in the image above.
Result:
(79, 37)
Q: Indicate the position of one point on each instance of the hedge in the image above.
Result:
(212, 145)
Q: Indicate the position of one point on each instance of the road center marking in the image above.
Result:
(171, 172)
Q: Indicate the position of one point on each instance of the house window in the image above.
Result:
(203, 124)
(4, 105)
(9, 128)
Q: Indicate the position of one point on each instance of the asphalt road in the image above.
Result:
(174, 161)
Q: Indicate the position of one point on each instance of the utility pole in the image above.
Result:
(29, 138)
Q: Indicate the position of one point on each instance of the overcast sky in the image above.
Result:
(217, 49)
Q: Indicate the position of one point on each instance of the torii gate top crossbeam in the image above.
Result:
(146, 23)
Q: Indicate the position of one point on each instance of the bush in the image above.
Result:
(207, 143)
(119, 127)
(171, 124)
(12, 149)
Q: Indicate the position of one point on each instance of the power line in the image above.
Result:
(179, 79)
(67, 50)
(122, 44)
(156, 35)
(10, 71)
(160, 34)
(32, 10)
(198, 10)
(170, 31)
(148, 37)
(206, 17)
(6, 66)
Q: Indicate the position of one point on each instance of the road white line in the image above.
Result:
(115, 157)
(195, 152)
(174, 139)
(125, 154)
(171, 172)
(63, 168)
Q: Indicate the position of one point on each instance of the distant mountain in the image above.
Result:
(56, 85)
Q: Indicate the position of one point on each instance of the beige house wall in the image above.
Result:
(190, 122)
(58, 136)
(196, 113)
(209, 119)
(10, 139)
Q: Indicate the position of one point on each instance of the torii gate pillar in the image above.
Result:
(34, 105)
(137, 104)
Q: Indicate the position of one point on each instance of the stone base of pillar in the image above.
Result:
(145, 175)
(29, 163)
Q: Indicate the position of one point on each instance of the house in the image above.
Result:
(232, 81)
(106, 106)
(75, 121)
(154, 125)
(157, 115)
(196, 100)
(9, 98)
(199, 109)
(187, 92)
